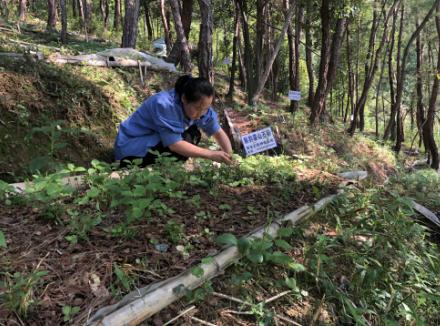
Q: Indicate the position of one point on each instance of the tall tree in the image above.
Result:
(309, 57)
(401, 77)
(420, 111)
(183, 44)
(330, 48)
(428, 129)
(147, 20)
(291, 46)
(63, 34)
(263, 77)
(52, 15)
(298, 23)
(166, 25)
(235, 46)
(21, 10)
(129, 34)
(371, 64)
(205, 41)
(187, 11)
(117, 15)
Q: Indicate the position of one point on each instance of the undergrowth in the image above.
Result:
(364, 262)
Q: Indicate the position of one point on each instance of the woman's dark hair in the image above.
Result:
(193, 88)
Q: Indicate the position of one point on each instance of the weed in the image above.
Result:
(123, 278)
(69, 312)
(175, 231)
(19, 290)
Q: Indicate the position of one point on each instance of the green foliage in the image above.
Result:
(175, 231)
(19, 290)
(200, 293)
(387, 270)
(422, 185)
(69, 312)
(135, 191)
(258, 169)
(122, 277)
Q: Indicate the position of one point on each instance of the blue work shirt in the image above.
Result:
(160, 118)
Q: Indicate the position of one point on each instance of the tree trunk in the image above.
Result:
(291, 45)
(187, 11)
(63, 35)
(260, 33)
(402, 77)
(52, 15)
(21, 10)
(75, 12)
(428, 130)
(117, 16)
(147, 18)
(241, 65)
(371, 65)
(309, 61)
(262, 79)
(206, 67)
(184, 50)
(392, 120)
(330, 48)
(88, 13)
(106, 12)
(350, 100)
(166, 26)
(129, 34)
(398, 108)
(234, 51)
(247, 53)
(298, 23)
(420, 113)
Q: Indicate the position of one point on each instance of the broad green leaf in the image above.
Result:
(282, 244)
(197, 271)
(278, 257)
(255, 257)
(227, 239)
(297, 267)
(285, 232)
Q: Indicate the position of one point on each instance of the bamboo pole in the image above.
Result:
(147, 301)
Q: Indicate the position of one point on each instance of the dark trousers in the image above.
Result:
(191, 135)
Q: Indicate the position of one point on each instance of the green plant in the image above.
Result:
(81, 224)
(122, 277)
(69, 312)
(19, 290)
(175, 231)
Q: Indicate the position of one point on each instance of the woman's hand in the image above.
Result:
(221, 157)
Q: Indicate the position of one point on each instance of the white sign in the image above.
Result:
(294, 95)
(258, 141)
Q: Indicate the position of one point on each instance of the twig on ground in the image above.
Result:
(282, 294)
(179, 315)
(224, 296)
(287, 320)
(202, 321)
(318, 311)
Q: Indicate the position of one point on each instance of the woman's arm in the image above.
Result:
(187, 149)
(223, 140)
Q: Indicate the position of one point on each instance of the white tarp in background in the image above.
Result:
(129, 53)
